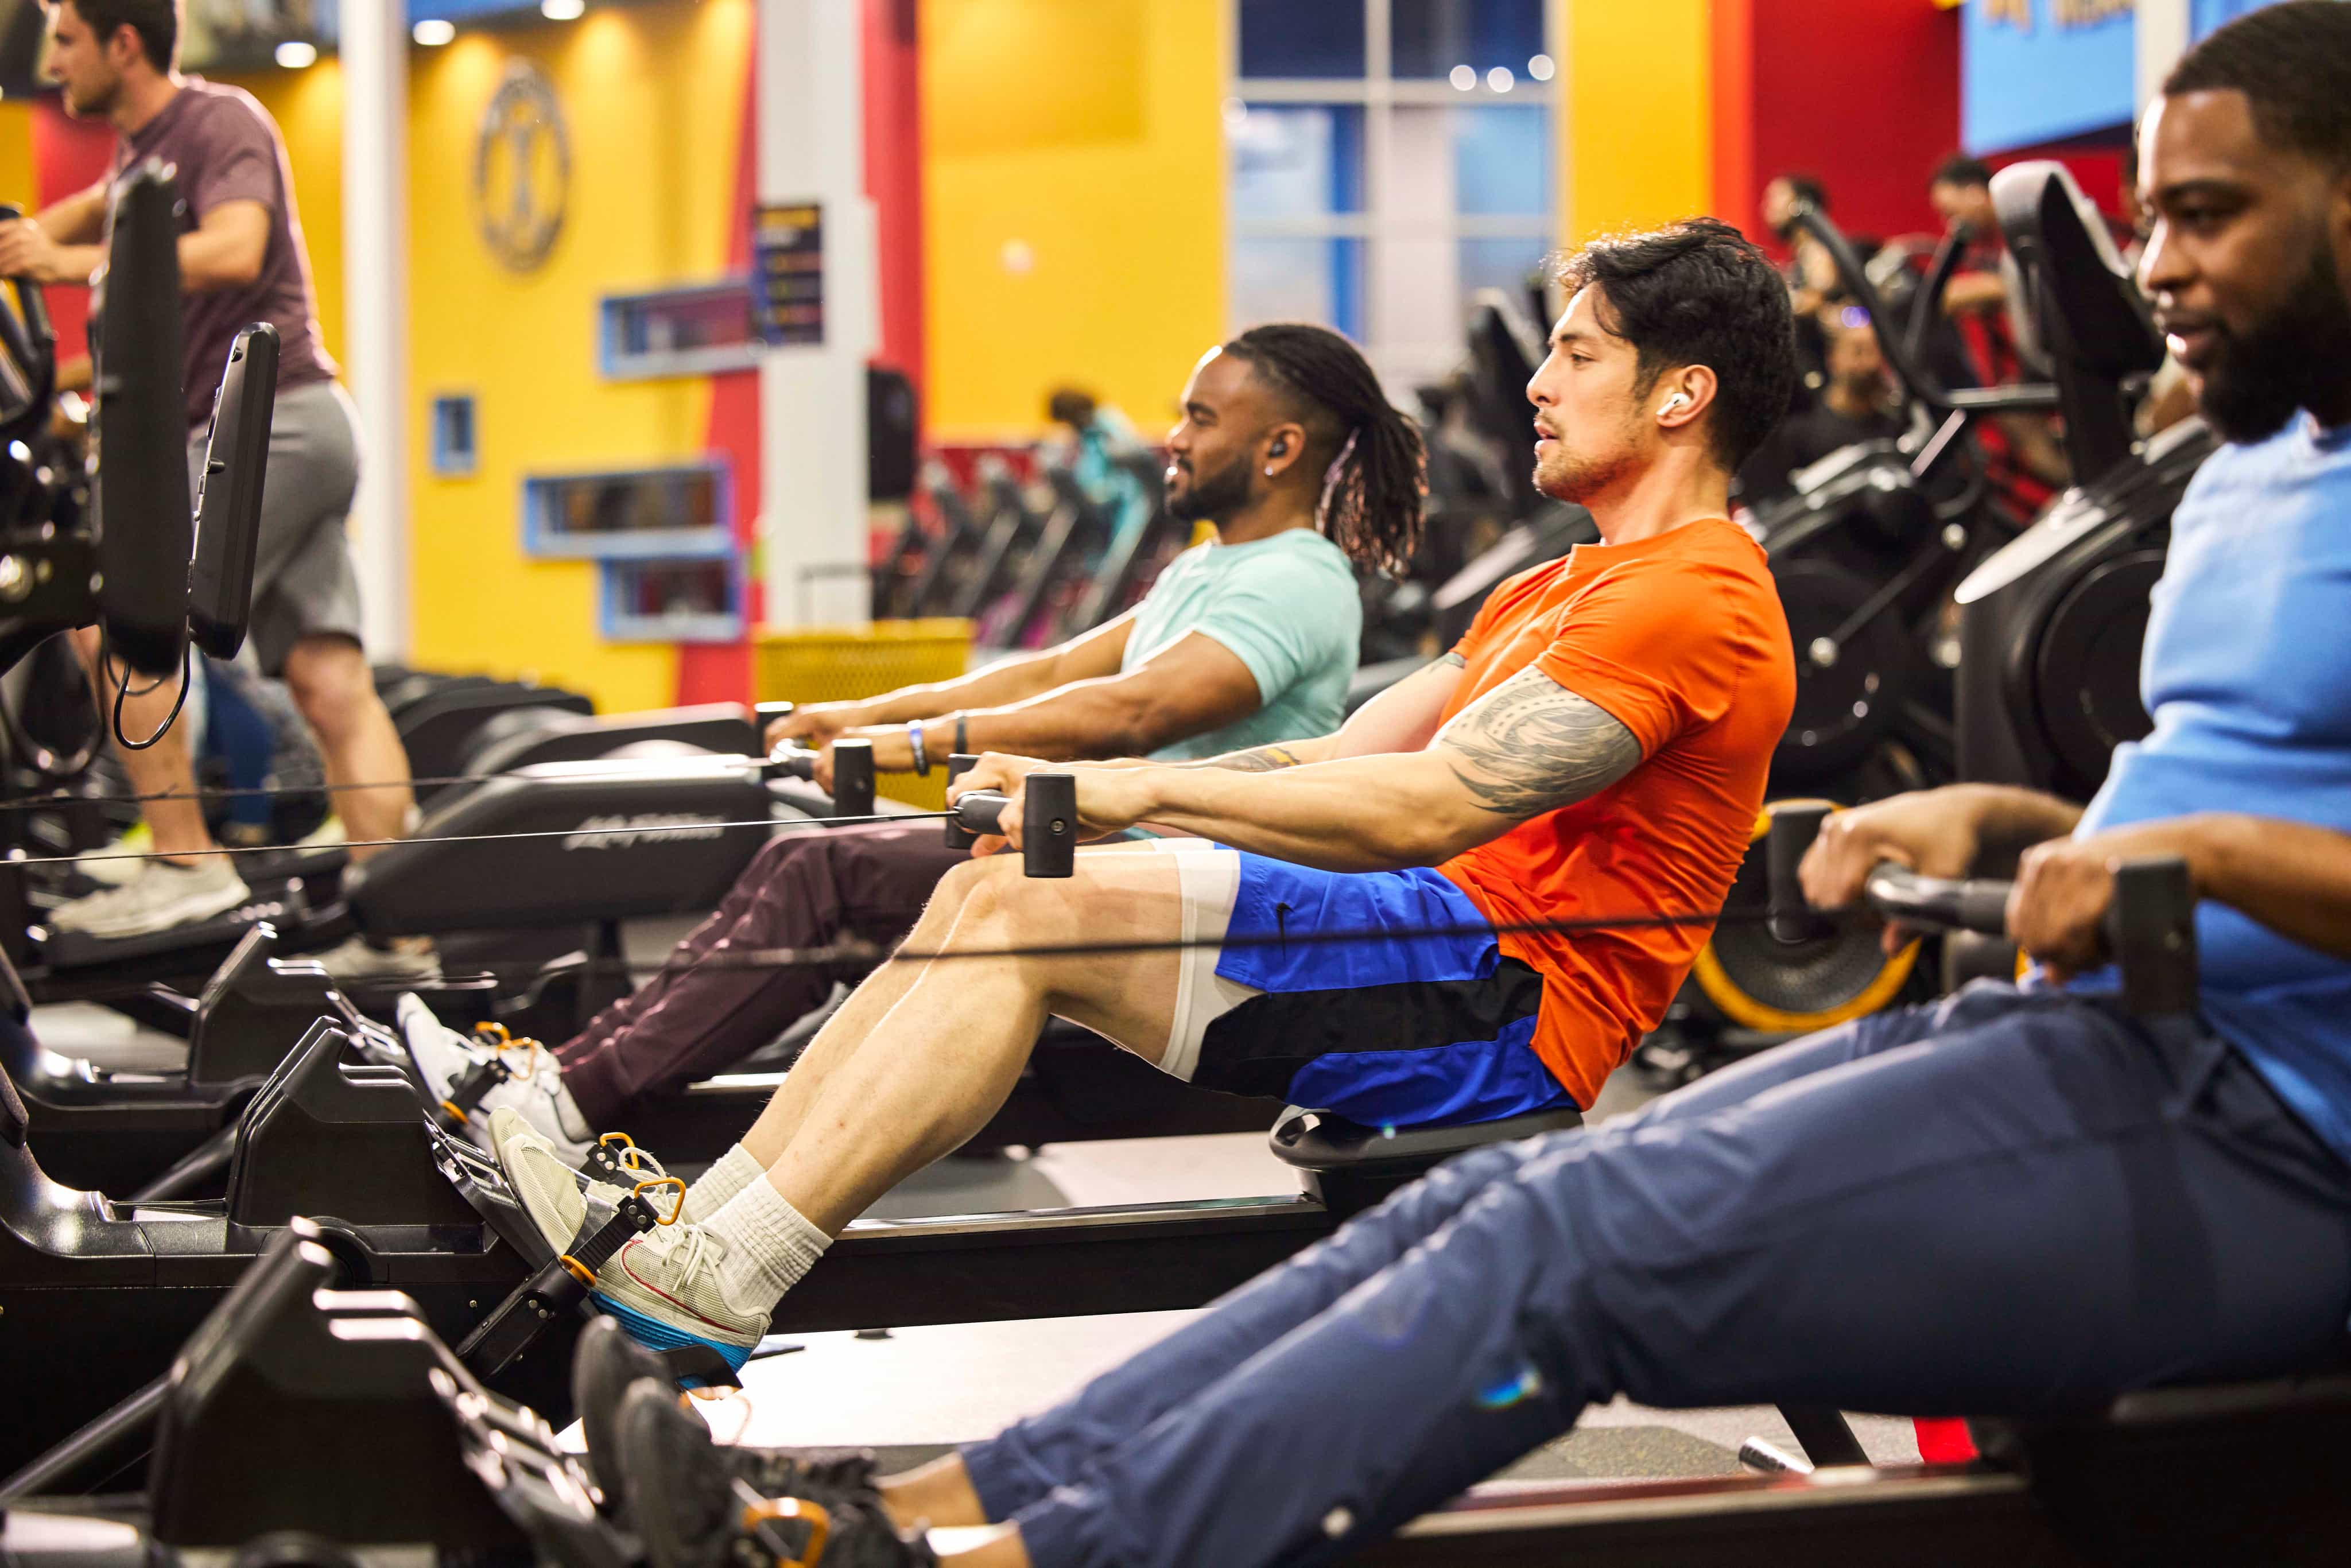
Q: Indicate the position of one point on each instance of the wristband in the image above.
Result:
(921, 758)
(963, 741)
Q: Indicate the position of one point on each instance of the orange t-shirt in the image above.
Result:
(1680, 638)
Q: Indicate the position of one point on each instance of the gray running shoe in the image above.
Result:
(161, 896)
(356, 960)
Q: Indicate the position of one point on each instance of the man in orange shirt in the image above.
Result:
(1596, 746)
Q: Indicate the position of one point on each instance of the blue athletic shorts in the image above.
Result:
(1388, 1026)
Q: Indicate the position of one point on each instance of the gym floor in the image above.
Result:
(912, 1392)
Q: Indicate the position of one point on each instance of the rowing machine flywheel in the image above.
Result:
(1762, 982)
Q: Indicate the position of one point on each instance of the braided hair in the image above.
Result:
(1375, 469)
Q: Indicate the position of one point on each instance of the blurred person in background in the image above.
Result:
(1856, 403)
(2024, 461)
(1099, 451)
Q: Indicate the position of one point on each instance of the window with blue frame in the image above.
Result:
(694, 331)
(1388, 160)
(632, 513)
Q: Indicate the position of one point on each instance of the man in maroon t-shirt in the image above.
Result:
(241, 260)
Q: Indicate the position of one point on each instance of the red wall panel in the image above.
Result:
(1864, 94)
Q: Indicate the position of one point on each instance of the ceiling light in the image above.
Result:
(1500, 79)
(563, 10)
(294, 54)
(1539, 67)
(1464, 77)
(434, 31)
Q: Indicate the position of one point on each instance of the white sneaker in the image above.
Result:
(100, 864)
(443, 1057)
(326, 835)
(356, 960)
(159, 897)
(663, 1287)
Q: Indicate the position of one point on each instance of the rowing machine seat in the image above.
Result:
(1347, 1166)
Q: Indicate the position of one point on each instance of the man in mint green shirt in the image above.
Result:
(1290, 450)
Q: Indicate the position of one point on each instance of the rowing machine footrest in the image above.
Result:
(556, 1290)
(1348, 1166)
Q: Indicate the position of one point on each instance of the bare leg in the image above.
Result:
(163, 768)
(330, 682)
(865, 1007)
(938, 1494)
(946, 1052)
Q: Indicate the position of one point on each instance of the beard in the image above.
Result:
(1565, 475)
(2296, 357)
(94, 102)
(1213, 497)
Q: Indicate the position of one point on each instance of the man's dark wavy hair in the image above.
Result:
(1698, 293)
(157, 23)
(2292, 62)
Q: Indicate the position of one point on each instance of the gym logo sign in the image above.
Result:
(622, 832)
(522, 169)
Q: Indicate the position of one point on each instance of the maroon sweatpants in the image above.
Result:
(804, 890)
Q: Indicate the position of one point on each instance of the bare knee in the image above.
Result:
(329, 681)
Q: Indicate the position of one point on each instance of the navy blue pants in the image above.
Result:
(2000, 1203)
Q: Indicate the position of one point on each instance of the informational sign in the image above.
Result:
(2041, 70)
(788, 272)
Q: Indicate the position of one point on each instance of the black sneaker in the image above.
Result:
(692, 1508)
(605, 1364)
(608, 1363)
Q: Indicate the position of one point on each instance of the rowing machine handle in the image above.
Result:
(1049, 820)
(852, 770)
(2150, 927)
(1949, 904)
(1894, 891)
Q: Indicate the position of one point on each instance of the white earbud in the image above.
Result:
(1673, 402)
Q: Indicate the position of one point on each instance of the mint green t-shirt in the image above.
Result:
(1287, 607)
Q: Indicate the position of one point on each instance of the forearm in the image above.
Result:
(2291, 877)
(73, 264)
(2009, 818)
(77, 219)
(1351, 814)
(1001, 684)
(1088, 719)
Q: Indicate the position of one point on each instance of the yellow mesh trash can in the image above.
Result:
(843, 663)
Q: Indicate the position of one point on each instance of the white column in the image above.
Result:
(812, 441)
(375, 306)
(2162, 38)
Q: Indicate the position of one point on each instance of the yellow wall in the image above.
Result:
(652, 97)
(1637, 134)
(1088, 133)
(17, 154)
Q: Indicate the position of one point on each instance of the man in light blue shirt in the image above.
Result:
(1291, 453)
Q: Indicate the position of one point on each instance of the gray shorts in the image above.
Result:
(303, 584)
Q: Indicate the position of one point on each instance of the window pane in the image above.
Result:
(1501, 159)
(1303, 37)
(1503, 264)
(1482, 160)
(1318, 280)
(1429, 37)
(1290, 161)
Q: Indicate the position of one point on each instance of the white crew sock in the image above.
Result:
(736, 1169)
(769, 1244)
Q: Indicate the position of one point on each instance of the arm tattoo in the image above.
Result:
(1264, 760)
(1532, 746)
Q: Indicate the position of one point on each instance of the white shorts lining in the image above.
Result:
(1209, 880)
